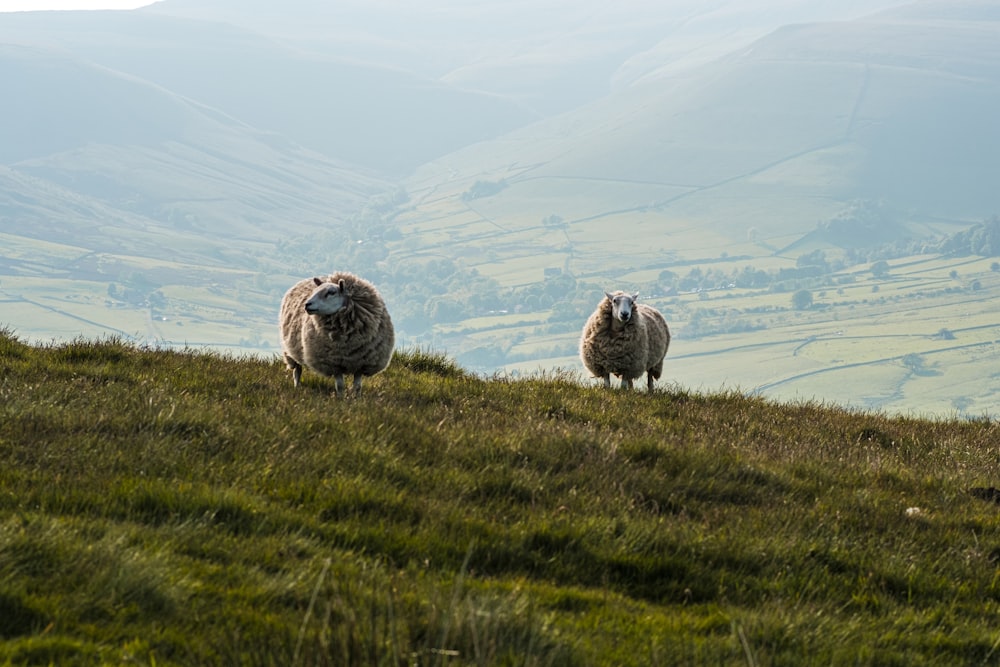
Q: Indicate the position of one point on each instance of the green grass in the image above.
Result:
(175, 508)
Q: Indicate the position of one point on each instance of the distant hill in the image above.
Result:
(550, 55)
(89, 150)
(382, 118)
(777, 136)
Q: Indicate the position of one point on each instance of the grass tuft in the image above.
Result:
(418, 360)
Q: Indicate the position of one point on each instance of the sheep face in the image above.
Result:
(622, 306)
(327, 299)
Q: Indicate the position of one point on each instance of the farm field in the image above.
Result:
(866, 341)
(880, 350)
(62, 309)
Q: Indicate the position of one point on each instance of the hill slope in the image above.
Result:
(384, 119)
(118, 196)
(842, 141)
(550, 55)
(174, 508)
(100, 136)
(776, 137)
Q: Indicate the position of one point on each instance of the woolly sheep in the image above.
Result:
(626, 339)
(336, 325)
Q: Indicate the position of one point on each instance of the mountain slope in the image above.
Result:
(776, 137)
(378, 117)
(151, 156)
(550, 55)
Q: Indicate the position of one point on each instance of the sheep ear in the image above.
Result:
(342, 286)
(608, 294)
(318, 281)
(635, 297)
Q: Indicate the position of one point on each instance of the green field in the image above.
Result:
(163, 508)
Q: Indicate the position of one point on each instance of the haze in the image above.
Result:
(805, 190)
(45, 5)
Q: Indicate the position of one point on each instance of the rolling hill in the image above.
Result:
(831, 137)
(117, 194)
(549, 55)
(83, 144)
(777, 136)
(383, 118)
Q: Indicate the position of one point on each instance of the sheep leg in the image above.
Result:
(295, 367)
(607, 381)
(649, 381)
(339, 379)
(357, 384)
(626, 382)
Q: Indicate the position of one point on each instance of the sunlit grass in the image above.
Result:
(185, 508)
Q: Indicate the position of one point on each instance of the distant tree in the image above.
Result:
(559, 286)
(444, 309)
(914, 362)
(156, 300)
(481, 189)
(816, 258)
(953, 274)
(945, 334)
(802, 300)
(995, 267)
(880, 269)
(691, 281)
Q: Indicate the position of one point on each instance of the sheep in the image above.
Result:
(626, 339)
(336, 325)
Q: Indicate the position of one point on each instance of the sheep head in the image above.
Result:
(622, 305)
(327, 298)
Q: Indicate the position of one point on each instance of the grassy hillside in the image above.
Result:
(185, 508)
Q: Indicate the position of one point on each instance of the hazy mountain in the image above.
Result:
(382, 118)
(550, 55)
(89, 150)
(778, 136)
